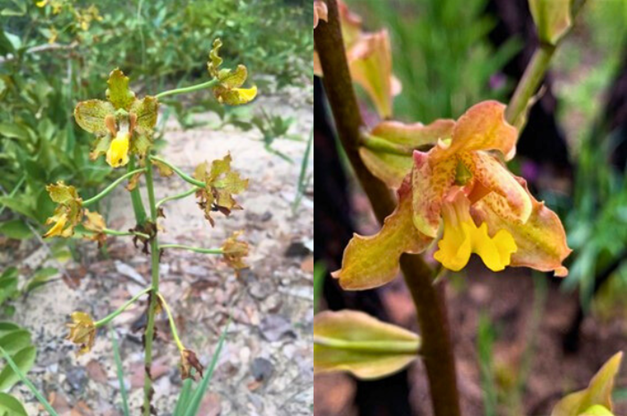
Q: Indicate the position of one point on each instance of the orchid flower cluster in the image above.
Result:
(123, 126)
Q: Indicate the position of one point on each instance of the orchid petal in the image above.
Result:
(90, 115)
(373, 261)
(146, 110)
(414, 135)
(430, 182)
(390, 168)
(495, 177)
(541, 241)
(483, 127)
(370, 63)
(393, 168)
(118, 92)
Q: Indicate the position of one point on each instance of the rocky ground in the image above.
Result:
(266, 365)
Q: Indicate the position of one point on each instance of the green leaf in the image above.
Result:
(356, 342)
(7, 327)
(599, 391)
(40, 278)
(24, 360)
(13, 131)
(22, 204)
(20, 374)
(15, 229)
(15, 341)
(8, 284)
(11, 406)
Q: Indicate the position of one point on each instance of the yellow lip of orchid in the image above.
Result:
(57, 228)
(462, 237)
(117, 155)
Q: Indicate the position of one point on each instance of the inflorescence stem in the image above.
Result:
(121, 309)
(194, 249)
(185, 90)
(179, 172)
(111, 187)
(150, 326)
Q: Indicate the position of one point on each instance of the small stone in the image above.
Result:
(261, 369)
(76, 378)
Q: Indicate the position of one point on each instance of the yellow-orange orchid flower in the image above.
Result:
(228, 91)
(123, 124)
(369, 57)
(82, 331)
(461, 186)
(68, 213)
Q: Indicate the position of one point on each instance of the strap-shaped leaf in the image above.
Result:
(11, 406)
(599, 392)
(356, 342)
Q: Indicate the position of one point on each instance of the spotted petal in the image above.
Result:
(90, 115)
(373, 261)
(235, 96)
(495, 177)
(430, 183)
(146, 112)
(234, 79)
(118, 92)
(541, 241)
(483, 127)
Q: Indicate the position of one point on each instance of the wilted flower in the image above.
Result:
(189, 360)
(124, 124)
(68, 214)
(228, 91)
(82, 331)
(461, 184)
(221, 183)
(96, 224)
(234, 251)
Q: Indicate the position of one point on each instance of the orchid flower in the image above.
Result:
(460, 194)
(68, 213)
(228, 90)
(123, 124)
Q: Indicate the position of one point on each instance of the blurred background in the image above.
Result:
(55, 53)
(522, 339)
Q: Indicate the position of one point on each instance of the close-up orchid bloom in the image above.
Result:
(461, 190)
(123, 124)
(229, 90)
(69, 212)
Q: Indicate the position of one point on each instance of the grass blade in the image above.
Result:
(120, 372)
(194, 405)
(28, 384)
(183, 400)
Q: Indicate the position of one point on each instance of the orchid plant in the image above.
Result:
(123, 126)
(455, 197)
